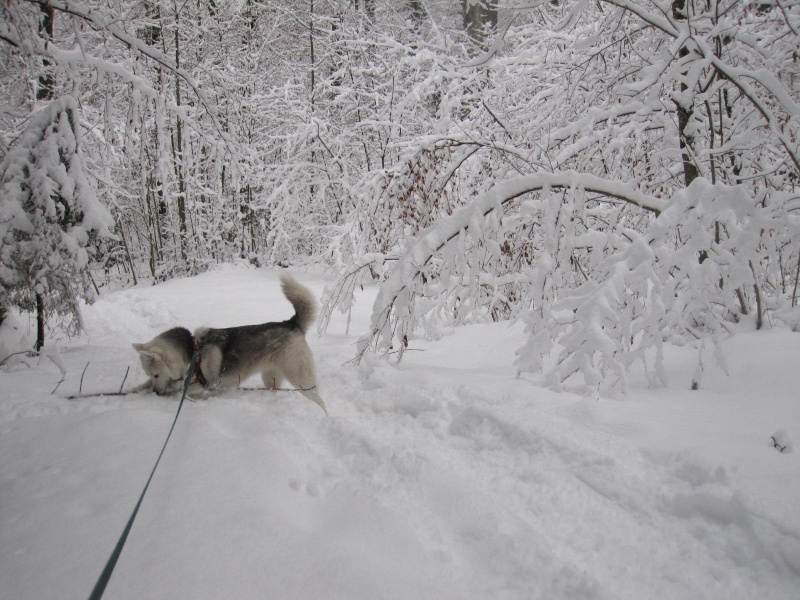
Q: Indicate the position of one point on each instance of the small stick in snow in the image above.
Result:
(28, 352)
(781, 441)
(266, 389)
(124, 379)
(775, 444)
(97, 395)
(58, 384)
(80, 385)
(406, 350)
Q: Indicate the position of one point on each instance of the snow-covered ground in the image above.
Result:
(443, 478)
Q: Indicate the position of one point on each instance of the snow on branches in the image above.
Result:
(458, 240)
(677, 281)
(602, 296)
(662, 205)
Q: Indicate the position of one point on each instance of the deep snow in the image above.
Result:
(441, 478)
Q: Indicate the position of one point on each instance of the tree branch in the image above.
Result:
(101, 24)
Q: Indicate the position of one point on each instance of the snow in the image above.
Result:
(444, 477)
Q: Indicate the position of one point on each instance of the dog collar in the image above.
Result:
(197, 376)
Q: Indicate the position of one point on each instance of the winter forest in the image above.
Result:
(615, 174)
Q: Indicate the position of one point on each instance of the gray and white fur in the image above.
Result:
(277, 350)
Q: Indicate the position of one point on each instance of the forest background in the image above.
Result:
(617, 174)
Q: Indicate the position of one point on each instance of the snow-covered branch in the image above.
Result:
(392, 315)
(104, 23)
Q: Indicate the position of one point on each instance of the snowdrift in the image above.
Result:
(444, 477)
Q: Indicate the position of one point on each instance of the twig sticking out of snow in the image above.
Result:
(60, 381)
(26, 352)
(124, 379)
(80, 385)
(80, 393)
(53, 356)
(781, 442)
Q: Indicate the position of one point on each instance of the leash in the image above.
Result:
(105, 576)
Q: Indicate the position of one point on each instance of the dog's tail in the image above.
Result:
(305, 306)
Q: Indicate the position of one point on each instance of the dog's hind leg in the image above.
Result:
(302, 377)
(314, 396)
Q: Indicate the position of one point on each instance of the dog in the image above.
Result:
(277, 350)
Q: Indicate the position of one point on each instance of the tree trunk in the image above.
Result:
(39, 322)
(480, 16)
(796, 281)
(178, 157)
(418, 14)
(127, 250)
(759, 304)
(45, 92)
(690, 172)
(46, 89)
(312, 57)
(685, 110)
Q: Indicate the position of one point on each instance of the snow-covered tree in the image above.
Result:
(49, 215)
(627, 174)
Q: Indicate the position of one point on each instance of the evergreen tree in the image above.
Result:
(48, 217)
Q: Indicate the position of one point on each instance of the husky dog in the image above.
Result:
(231, 355)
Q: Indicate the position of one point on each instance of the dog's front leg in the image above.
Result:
(272, 378)
(147, 386)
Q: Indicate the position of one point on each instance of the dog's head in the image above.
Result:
(165, 367)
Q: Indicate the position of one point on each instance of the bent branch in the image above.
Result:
(435, 238)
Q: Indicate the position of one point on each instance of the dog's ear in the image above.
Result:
(142, 349)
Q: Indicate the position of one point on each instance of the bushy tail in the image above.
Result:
(305, 306)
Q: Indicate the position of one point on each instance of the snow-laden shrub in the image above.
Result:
(14, 341)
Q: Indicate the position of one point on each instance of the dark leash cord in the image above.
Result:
(105, 576)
